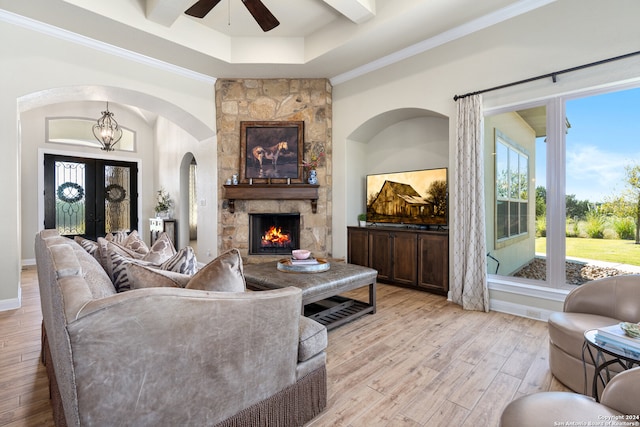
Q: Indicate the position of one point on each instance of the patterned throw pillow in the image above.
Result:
(118, 266)
(141, 276)
(184, 261)
(161, 250)
(117, 237)
(223, 274)
(105, 248)
(134, 243)
(88, 245)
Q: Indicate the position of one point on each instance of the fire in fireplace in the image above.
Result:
(275, 237)
(273, 233)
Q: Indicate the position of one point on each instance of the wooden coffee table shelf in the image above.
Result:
(336, 311)
(320, 291)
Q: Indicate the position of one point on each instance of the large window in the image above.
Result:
(562, 197)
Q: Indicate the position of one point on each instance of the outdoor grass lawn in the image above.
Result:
(610, 250)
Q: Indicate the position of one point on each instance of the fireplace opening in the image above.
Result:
(273, 233)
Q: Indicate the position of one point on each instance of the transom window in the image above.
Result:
(79, 131)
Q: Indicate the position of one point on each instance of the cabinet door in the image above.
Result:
(380, 253)
(358, 246)
(405, 259)
(433, 262)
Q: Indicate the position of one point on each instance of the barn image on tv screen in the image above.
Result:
(400, 200)
(418, 197)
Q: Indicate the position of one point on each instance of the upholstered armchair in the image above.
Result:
(620, 404)
(592, 305)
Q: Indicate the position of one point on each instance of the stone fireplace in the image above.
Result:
(273, 233)
(307, 100)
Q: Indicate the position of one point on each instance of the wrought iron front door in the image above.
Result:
(89, 197)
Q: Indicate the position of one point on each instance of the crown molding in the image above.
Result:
(72, 37)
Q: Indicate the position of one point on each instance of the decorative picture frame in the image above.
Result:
(271, 150)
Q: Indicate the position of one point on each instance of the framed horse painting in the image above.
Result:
(271, 151)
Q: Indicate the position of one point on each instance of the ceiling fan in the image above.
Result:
(258, 10)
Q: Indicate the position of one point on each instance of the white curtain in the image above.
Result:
(469, 288)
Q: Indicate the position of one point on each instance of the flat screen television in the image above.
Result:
(417, 197)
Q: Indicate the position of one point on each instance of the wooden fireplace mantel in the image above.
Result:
(271, 192)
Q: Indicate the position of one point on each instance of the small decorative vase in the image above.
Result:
(313, 177)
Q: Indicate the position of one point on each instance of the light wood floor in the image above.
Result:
(419, 361)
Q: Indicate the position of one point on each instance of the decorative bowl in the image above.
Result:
(631, 329)
(300, 253)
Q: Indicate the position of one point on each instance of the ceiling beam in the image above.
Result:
(166, 12)
(357, 11)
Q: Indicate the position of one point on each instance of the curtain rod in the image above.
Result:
(553, 75)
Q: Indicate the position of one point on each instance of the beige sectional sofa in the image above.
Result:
(165, 356)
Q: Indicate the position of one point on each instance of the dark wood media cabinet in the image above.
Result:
(407, 257)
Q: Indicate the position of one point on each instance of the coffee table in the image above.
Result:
(320, 291)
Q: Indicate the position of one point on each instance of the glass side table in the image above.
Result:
(603, 355)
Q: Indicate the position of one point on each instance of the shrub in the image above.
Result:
(595, 224)
(625, 228)
(572, 229)
(541, 226)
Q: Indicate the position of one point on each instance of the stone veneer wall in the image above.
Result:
(307, 100)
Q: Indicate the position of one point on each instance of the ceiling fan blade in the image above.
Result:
(261, 14)
(201, 8)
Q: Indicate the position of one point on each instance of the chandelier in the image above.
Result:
(107, 131)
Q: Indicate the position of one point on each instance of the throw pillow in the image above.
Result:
(118, 267)
(161, 250)
(117, 237)
(134, 243)
(184, 261)
(103, 256)
(88, 245)
(223, 274)
(141, 277)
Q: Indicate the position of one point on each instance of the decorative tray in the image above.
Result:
(288, 266)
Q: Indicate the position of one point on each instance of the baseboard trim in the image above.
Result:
(521, 310)
(13, 303)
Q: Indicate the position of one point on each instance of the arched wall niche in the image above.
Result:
(396, 140)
